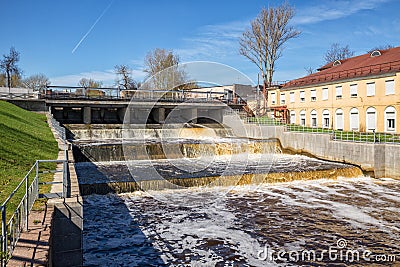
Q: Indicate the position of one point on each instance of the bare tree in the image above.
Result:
(9, 65)
(89, 83)
(309, 70)
(36, 82)
(264, 41)
(159, 59)
(380, 47)
(337, 52)
(163, 68)
(124, 77)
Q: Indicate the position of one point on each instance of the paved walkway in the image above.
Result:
(33, 245)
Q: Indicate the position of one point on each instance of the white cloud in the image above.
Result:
(331, 10)
(213, 42)
(107, 77)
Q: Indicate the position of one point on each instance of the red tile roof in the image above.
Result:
(355, 67)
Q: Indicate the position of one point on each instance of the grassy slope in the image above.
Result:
(24, 138)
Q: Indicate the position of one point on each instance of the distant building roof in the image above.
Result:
(374, 63)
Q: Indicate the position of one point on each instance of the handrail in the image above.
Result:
(75, 92)
(335, 135)
(18, 221)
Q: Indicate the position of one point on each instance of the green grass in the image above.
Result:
(24, 138)
(367, 137)
(299, 128)
(264, 121)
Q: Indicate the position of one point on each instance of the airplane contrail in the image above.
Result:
(91, 28)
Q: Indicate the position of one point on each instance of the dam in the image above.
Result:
(194, 155)
(197, 195)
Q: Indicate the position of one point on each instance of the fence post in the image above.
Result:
(26, 201)
(65, 179)
(4, 251)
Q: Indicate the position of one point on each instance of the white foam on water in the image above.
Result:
(217, 223)
(185, 231)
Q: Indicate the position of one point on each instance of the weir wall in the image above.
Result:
(377, 159)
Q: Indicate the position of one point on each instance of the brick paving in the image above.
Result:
(33, 245)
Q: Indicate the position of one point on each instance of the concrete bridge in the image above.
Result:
(138, 111)
(92, 105)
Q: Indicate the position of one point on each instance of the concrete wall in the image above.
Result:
(30, 104)
(65, 244)
(66, 233)
(383, 160)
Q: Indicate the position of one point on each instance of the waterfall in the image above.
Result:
(175, 156)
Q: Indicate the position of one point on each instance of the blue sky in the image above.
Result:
(68, 40)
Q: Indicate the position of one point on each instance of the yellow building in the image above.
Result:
(356, 94)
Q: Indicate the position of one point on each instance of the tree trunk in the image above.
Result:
(8, 81)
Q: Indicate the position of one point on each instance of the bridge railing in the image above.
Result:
(65, 92)
(19, 95)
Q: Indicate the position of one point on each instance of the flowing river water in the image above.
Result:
(247, 220)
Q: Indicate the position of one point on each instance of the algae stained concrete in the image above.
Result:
(383, 160)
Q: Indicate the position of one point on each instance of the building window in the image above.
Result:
(375, 53)
(313, 95)
(291, 97)
(353, 90)
(273, 98)
(390, 119)
(302, 96)
(303, 118)
(354, 119)
(314, 118)
(326, 118)
(339, 92)
(292, 117)
(283, 100)
(371, 89)
(371, 119)
(339, 119)
(390, 124)
(324, 93)
(389, 85)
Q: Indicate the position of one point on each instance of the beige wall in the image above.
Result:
(380, 101)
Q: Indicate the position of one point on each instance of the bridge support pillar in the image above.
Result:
(121, 114)
(216, 115)
(137, 115)
(159, 115)
(190, 114)
(87, 115)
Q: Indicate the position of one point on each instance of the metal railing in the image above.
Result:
(263, 121)
(59, 129)
(71, 92)
(336, 135)
(18, 95)
(63, 136)
(371, 137)
(15, 220)
(308, 129)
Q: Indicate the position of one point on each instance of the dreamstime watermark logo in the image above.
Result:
(338, 253)
(163, 115)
